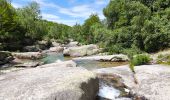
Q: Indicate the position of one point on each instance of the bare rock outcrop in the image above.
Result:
(153, 81)
(113, 58)
(81, 50)
(49, 83)
(28, 55)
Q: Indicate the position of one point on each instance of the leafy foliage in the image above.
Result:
(140, 59)
(131, 26)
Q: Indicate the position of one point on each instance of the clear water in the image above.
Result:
(105, 91)
(88, 64)
(52, 57)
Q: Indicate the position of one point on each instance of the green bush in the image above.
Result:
(140, 59)
(131, 51)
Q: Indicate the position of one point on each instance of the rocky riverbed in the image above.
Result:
(51, 75)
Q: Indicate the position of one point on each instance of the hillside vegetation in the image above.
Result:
(130, 27)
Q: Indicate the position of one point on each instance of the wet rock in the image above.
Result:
(49, 83)
(81, 50)
(5, 57)
(113, 58)
(28, 55)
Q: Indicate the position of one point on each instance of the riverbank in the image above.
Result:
(109, 69)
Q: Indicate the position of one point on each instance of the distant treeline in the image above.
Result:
(131, 26)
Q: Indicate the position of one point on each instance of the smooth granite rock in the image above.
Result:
(81, 50)
(150, 82)
(49, 83)
(28, 55)
(113, 58)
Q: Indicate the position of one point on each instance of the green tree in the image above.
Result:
(87, 34)
(30, 19)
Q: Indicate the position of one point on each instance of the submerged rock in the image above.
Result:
(5, 57)
(28, 55)
(153, 81)
(81, 50)
(49, 83)
(113, 58)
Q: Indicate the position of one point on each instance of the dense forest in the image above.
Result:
(130, 27)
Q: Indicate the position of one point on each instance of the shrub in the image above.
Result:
(131, 52)
(140, 59)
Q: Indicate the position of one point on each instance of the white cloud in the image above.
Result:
(16, 5)
(80, 11)
(100, 2)
(54, 18)
(49, 16)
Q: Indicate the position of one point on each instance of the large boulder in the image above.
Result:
(28, 55)
(81, 50)
(31, 49)
(56, 49)
(72, 44)
(113, 58)
(39, 45)
(49, 83)
(150, 82)
(5, 57)
(43, 45)
(55, 44)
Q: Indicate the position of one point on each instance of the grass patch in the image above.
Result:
(140, 59)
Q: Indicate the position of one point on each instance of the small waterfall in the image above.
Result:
(108, 92)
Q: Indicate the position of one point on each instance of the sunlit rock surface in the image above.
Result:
(81, 50)
(114, 58)
(28, 55)
(153, 81)
(49, 83)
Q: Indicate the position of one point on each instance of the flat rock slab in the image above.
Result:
(49, 83)
(153, 80)
(28, 55)
(118, 57)
(29, 64)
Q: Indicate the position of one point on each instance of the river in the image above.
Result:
(106, 90)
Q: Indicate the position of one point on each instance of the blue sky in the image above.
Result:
(67, 12)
